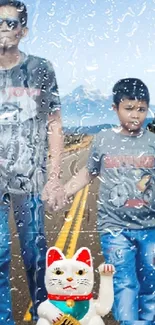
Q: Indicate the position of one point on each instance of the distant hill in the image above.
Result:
(93, 129)
(89, 130)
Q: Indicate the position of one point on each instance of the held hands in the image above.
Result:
(54, 193)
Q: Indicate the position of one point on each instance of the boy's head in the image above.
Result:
(130, 88)
(131, 101)
(13, 23)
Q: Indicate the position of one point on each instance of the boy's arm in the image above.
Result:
(77, 182)
(56, 142)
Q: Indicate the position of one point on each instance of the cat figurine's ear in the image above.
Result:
(84, 255)
(53, 254)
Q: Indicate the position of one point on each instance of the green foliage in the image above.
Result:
(151, 126)
(71, 139)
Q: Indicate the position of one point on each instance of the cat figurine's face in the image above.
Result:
(69, 276)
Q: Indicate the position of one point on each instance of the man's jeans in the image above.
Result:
(132, 252)
(29, 218)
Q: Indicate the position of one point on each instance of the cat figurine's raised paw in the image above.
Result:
(106, 269)
(69, 283)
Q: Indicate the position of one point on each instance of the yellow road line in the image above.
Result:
(60, 243)
(77, 226)
(61, 240)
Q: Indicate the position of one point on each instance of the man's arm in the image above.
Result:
(55, 138)
(55, 141)
(53, 187)
(77, 182)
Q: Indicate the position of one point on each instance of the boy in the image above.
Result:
(124, 158)
(29, 116)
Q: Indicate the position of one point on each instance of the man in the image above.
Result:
(30, 123)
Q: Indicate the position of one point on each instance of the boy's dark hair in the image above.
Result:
(21, 8)
(130, 88)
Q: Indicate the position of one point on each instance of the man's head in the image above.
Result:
(131, 101)
(13, 23)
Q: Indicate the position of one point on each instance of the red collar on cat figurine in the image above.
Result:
(63, 298)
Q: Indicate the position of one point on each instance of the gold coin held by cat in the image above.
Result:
(70, 303)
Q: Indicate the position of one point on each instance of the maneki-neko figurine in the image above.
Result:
(69, 283)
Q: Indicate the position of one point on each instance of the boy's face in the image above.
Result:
(11, 30)
(132, 114)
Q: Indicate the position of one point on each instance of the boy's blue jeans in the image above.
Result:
(29, 218)
(132, 252)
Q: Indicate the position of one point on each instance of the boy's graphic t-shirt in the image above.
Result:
(126, 169)
(28, 94)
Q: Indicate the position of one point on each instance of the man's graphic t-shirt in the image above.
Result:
(126, 169)
(28, 94)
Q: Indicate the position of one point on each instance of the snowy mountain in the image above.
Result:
(84, 109)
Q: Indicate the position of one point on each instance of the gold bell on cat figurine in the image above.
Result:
(70, 303)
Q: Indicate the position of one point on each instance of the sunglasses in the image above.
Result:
(12, 23)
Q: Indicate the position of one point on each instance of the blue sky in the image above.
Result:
(94, 42)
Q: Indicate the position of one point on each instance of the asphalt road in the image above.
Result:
(53, 224)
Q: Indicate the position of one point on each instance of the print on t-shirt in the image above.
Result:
(18, 131)
(136, 180)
